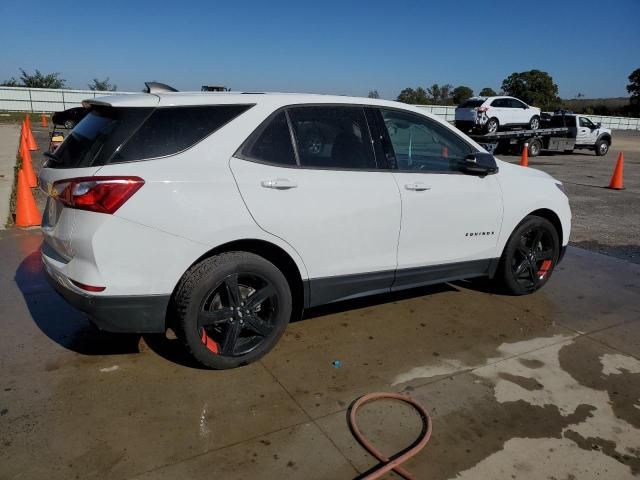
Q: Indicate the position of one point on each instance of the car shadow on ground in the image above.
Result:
(61, 322)
(72, 329)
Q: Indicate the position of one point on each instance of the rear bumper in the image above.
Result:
(131, 314)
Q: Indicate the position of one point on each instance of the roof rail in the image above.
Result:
(157, 87)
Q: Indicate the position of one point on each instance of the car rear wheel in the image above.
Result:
(529, 256)
(232, 309)
(602, 147)
(492, 125)
(534, 123)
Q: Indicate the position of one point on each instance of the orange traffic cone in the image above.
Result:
(27, 120)
(524, 161)
(31, 142)
(616, 182)
(27, 214)
(44, 120)
(27, 164)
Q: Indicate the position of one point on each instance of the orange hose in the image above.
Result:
(388, 464)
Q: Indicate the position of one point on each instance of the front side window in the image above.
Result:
(332, 137)
(585, 122)
(420, 144)
(517, 103)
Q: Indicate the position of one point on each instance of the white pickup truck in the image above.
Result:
(562, 132)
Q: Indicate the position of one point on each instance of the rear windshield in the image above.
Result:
(472, 103)
(96, 137)
(116, 135)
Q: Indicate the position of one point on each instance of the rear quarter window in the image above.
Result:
(170, 130)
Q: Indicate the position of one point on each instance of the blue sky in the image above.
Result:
(326, 47)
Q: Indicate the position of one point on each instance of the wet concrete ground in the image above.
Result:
(542, 387)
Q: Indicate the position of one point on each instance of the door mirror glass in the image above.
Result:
(480, 164)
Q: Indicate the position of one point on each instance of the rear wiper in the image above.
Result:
(52, 156)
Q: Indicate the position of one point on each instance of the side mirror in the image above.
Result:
(598, 125)
(480, 164)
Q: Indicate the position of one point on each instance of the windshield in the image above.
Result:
(97, 136)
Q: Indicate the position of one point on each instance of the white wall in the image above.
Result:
(23, 99)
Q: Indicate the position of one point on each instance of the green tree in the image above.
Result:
(634, 86)
(373, 94)
(41, 80)
(413, 97)
(534, 87)
(461, 94)
(102, 85)
(488, 92)
(12, 82)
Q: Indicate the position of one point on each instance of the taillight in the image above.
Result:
(482, 109)
(96, 194)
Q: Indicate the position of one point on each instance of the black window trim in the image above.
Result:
(154, 109)
(255, 134)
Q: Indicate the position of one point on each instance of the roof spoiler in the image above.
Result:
(157, 87)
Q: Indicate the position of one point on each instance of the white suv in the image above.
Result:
(223, 215)
(492, 113)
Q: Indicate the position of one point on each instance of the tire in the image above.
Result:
(535, 147)
(534, 123)
(526, 266)
(69, 124)
(215, 317)
(492, 125)
(602, 147)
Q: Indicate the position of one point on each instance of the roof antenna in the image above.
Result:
(157, 87)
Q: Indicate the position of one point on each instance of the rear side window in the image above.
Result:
(96, 137)
(472, 103)
(332, 137)
(271, 143)
(170, 130)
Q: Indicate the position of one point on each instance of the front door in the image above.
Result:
(587, 132)
(450, 220)
(324, 196)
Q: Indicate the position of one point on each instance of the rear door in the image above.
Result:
(587, 132)
(501, 109)
(309, 176)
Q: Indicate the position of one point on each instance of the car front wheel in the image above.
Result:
(529, 257)
(602, 147)
(231, 309)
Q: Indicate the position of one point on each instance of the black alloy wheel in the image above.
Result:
(238, 314)
(231, 309)
(530, 256)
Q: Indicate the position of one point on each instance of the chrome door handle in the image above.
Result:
(417, 187)
(279, 184)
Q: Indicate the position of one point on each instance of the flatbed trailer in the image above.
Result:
(557, 139)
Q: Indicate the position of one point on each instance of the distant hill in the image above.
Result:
(598, 106)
